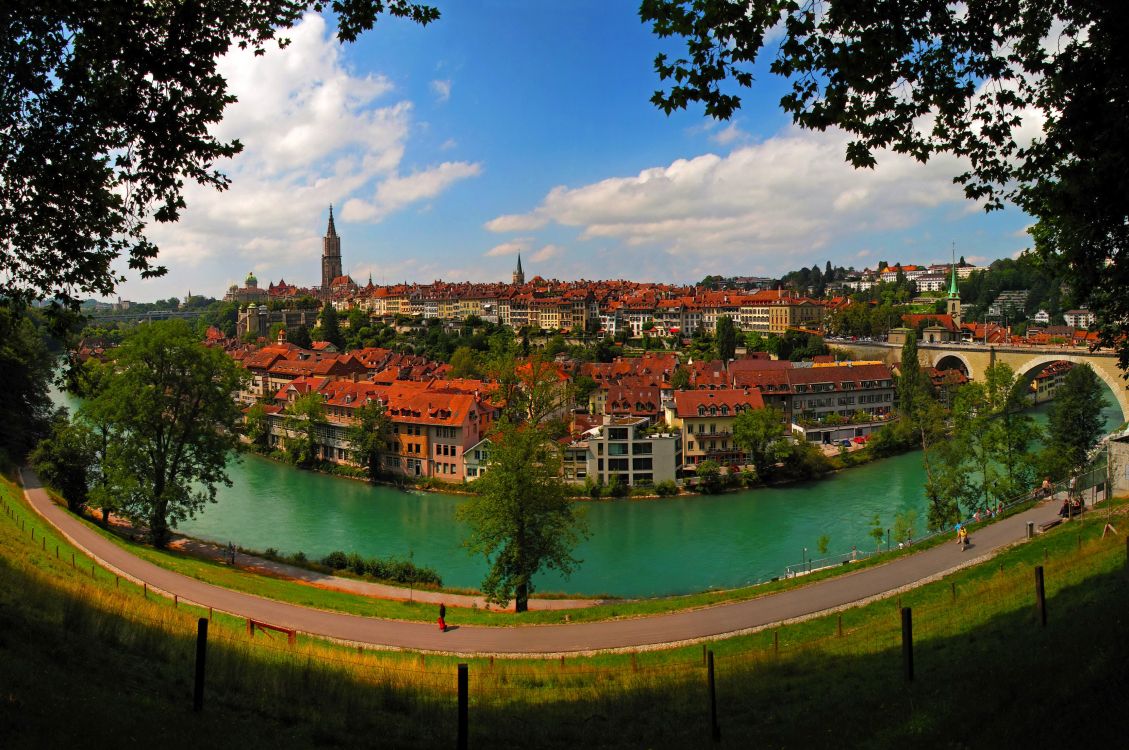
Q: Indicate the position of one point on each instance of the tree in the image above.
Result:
(709, 476)
(25, 406)
(680, 378)
(108, 110)
(911, 382)
(876, 531)
(1074, 423)
(726, 338)
(521, 519)
(64, 458)
(1013, 432)
(368, 435)
(169, 403)
(922, 79)
(304, 416)
(759, 431)
(464, 363)
(330, 327)
(300, 337)
(256, 425)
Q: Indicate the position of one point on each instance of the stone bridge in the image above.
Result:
(974, 359)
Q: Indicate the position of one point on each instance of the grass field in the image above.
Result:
(90, 662)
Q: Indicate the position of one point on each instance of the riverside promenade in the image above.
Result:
(550, 640)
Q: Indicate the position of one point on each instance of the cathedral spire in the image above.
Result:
(519, 275)
(331, 231)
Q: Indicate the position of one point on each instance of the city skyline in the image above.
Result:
(449, 149)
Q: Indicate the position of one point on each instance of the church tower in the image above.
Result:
(952, 304)
(519, 275)
(330, 256)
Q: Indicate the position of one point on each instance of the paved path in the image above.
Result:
(641, 632)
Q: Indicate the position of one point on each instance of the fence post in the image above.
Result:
(715, 730)
(634, 664)
(461, 743)
(201, 654)
(953, 588)
(1040, 595)
(145, 589)
(1030, 529)
(907, 642)
(776, 643)
(839, 627)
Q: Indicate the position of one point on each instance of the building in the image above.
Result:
(619, 450)
(952, 302)
(248, 293)
(705, 421)
(1079, 318)
(519, 275)
(330, 257)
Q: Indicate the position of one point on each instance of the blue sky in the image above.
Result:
(527, 126)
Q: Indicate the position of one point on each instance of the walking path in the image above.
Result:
(544, 640)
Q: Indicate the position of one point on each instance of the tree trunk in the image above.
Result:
(521, 597)
(105, 514)
(158, 525)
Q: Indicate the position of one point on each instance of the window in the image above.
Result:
(641, 448)
(617, 464)
(617, 433)
(641, 464)
(617, 449)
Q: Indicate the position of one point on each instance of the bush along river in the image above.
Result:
(636, 548)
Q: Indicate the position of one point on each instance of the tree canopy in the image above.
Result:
(520, 518)
(971, 79)
(108, 111)
(169, 403)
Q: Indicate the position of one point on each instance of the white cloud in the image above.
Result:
(398, 191)
(548, 251)
(862, 254)
(315, 133)
(730, 134)
(790, 193)
(519, 245)
(442, 90)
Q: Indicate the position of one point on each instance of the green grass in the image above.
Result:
(87, 663)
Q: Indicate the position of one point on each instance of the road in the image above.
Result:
(546, 640)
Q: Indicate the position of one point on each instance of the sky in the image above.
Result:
(512, 126)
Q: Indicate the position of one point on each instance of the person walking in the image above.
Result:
(443, 617)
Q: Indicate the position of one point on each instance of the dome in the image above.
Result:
(251, 282)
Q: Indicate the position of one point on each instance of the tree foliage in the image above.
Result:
(368, 436)
(25, 406)
(1074, 423)
(330, 327)
(760, 432)
(168, 402)
(521, 519)
(924, 78)
(726, 338)
(108, 110)
(65, 457)
(304, 416)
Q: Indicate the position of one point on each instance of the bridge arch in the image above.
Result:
(948, 360)
(1114, 382)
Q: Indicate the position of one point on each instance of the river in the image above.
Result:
(636, 547)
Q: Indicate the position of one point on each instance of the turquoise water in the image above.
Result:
(636, 548)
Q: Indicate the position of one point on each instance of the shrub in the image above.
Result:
(358, 564)
(666, 488)
(271, 553)
(336, 560)
(300, 558)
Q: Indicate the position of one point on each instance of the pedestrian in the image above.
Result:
(960, 532)
(443, 617)
(963, 534)
(1046, 486)
(999, 507)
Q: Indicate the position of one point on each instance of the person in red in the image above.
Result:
(443, 617)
